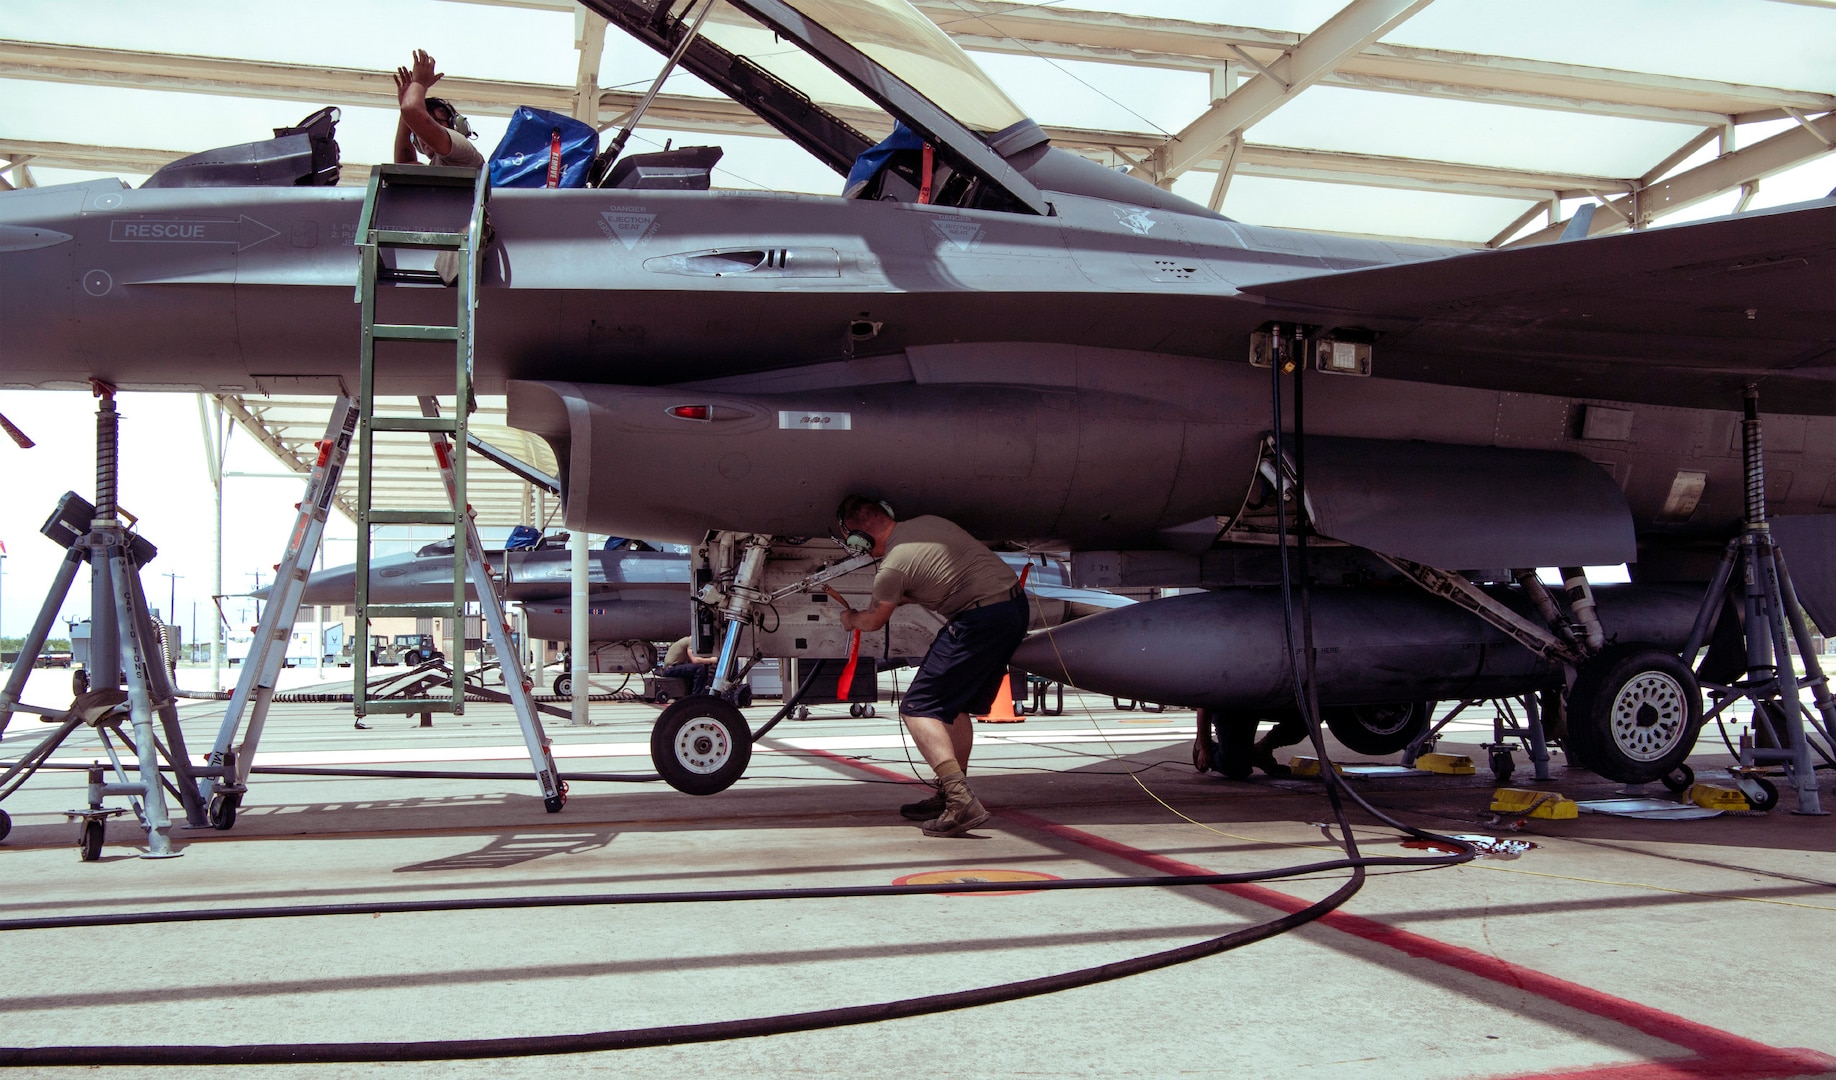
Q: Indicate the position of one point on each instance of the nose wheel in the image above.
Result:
(701, 745)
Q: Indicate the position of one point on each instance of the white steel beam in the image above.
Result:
(1063, 33)
(1372, 170)
(1357, 25)
(590, 41)
(1728, 172)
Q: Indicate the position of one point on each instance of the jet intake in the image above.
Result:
(1224, 649)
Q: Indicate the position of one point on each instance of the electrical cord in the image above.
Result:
(1306, 700)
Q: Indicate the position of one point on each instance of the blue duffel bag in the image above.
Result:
(543, 149)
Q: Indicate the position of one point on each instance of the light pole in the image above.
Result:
(172, 597)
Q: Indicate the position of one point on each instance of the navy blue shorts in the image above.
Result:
(962, 672)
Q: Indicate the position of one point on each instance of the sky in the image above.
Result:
(165, 480)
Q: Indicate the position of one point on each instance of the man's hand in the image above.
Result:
(402, 81)
(424, 72)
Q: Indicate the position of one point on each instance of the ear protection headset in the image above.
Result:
(858, 540)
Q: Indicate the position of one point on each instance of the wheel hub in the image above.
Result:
(1649, 716)
(703, 745)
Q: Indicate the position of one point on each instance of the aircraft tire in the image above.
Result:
(1633, 714)
(564, 686)
(700, 745)
(6, 824)
(1376, 730)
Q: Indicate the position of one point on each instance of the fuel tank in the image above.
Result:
(1225, 649)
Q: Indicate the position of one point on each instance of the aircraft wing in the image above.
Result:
(1684, 315)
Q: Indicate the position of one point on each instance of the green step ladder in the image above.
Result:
(416, 208)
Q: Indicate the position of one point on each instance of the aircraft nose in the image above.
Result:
(37, 275)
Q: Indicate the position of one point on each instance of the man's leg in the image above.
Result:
(936, 742)
(962, 738)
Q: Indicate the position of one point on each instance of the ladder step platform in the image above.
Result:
(418, 238)
(407, 332)
(411, 705)
(443, 424)
(411, 611)
(429, 516)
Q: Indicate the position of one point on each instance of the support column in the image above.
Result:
(578, 544)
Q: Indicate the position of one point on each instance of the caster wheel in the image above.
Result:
(1679, 779)
(1502, 765)
(701, 745)
(1767, 797)
(854, 710)
(79, 683)
(89, 841)
(223, 811)
(564, 686)
(869, 711)
(6, 824)
(803, 712)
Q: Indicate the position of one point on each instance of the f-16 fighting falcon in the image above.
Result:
(1063, 358)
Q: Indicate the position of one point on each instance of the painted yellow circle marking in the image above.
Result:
(947, 877)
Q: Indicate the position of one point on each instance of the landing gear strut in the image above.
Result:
(701, 744)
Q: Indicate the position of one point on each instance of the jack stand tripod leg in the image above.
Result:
(1800, 771)
(41, 630)
(160, 686)
(1712, 602)
(1533, 734)
(1800, 632)
(141, 708)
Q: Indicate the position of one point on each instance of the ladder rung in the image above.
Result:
(447, 424)
(408, 705)
(410, 332)
(417, 238)
(403, 175)
(412, 611)
(429, 516)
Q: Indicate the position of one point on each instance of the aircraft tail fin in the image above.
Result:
(1579, 224)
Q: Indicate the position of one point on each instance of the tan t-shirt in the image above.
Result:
(678, 652)
(462, 154)
(933, 563)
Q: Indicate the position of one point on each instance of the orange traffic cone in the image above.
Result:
(1003, 712)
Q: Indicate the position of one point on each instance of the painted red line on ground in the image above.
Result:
(1719, 1053)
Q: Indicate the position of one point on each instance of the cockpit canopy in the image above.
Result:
(836, 76)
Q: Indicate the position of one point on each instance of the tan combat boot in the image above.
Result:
(962, 810)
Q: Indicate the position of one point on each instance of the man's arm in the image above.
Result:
(868, 620)
(414, 107)
(404, 145)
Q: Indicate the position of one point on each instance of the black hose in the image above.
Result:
(440, 1050)
(789, 703)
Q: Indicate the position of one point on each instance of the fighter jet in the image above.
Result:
(637, 595)
(1058, 357)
